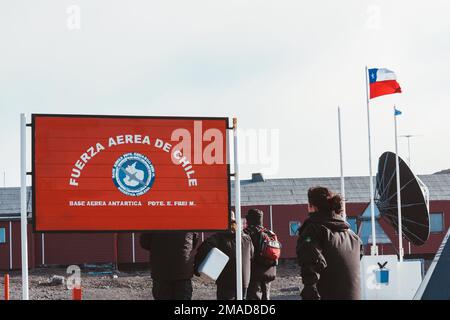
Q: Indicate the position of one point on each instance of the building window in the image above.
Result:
(436, 222)
(353, 225)
(2, 235)
(293, 228)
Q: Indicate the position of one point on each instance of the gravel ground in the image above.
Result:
(135, 285)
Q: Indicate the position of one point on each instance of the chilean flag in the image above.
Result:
(382, 81)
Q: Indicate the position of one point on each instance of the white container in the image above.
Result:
(213, 264)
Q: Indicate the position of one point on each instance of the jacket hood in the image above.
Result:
(332, 221)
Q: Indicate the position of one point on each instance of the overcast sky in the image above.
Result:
(281, 65)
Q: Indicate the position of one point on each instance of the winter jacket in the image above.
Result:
(328, 252)
(226, 242)
(260, 271)
(170, 254)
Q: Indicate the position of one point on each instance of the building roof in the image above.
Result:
(10, 202)
(271, 191)
(294, 190)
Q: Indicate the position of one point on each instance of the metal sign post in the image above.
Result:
(23, 205)
(237, 206)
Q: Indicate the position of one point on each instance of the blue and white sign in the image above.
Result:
(2, 235)
(293, 228)
(133, 174)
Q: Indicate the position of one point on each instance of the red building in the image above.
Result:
(60, 248)
(284, 202)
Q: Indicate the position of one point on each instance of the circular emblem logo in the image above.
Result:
(133, 174)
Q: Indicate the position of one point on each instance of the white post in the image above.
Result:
(399, 201)
(409, 152)
(374, 248)
(43, 248)
(10, 247)
(342, 165)
(237, 206)
(409, 164)
(271, 217)
(133, 247)
(23, 204)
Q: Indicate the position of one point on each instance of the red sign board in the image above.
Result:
(113, 173)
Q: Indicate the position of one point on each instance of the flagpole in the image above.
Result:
(399, 201)
(374, 248)
(342, 165)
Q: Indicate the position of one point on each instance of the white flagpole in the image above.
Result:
(374, 247)
(23, 205)
(342, 165)
(399, 201)
(237, 206)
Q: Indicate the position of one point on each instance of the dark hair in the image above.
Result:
(325, 200)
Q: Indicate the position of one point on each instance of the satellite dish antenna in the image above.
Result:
(414, 206)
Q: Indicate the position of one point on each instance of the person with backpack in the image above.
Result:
(226, 242)
(328, 251)
(171, 263)
(267, 253)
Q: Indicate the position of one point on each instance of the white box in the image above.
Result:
(404, 278)
(213, 264)
(410, 272)
(371, 288)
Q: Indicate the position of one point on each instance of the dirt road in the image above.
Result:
(134, 285)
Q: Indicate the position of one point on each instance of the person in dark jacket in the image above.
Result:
(226, 242)
(262, 273)
(328, 251)
(171, 263)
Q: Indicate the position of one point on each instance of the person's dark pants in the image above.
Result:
(172, 289)
(228, 293)
(258, 290)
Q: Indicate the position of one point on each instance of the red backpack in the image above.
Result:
(269, 247)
